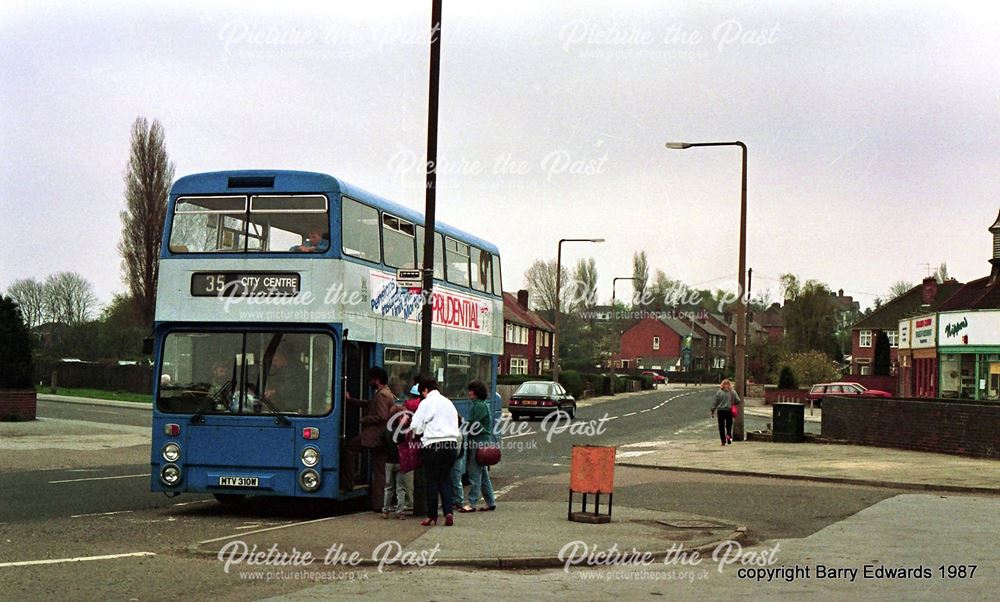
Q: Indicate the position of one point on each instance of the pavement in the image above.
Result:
(543, 528)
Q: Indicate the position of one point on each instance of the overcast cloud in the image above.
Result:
(872, 129)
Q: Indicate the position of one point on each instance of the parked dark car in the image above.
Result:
(540, 398)
(821, 390)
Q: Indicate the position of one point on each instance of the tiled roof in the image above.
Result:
(513, 312)
(909, 303)
(681, 328)
(977, 294)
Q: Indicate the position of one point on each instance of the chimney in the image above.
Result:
(840, 293)
(995, 261)
(522, 298)
(930, 289)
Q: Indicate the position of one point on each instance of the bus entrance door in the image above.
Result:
(357, 358)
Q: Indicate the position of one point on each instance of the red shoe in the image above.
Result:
(429, 522)
(449, 520)
(723, 444)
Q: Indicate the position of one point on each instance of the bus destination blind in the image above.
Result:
(245, 284)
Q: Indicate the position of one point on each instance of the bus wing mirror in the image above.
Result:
(147, 346)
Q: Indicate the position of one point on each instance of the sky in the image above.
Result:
(872, 128)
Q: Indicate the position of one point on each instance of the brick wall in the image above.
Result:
(954, 427)
(19, 403)
(882, 383)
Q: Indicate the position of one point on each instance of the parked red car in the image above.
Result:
(821, 390)
(658, 379)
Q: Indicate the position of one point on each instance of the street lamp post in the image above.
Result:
(555, 335)
(615, 335)
(741, 307)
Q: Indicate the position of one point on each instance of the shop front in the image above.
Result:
(969, 354)
(923, 356)
(905, 358)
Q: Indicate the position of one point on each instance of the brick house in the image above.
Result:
(527, 342)
(651, 343)
(924, 298)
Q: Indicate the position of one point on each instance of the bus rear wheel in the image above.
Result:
(229, 499)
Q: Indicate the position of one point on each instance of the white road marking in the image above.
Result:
(194, 502)
(631, 414)
(308, 522)
(506, 490)
(101, 513)
(633, 454)
(77, 559)
(127, 476)
(505, 437)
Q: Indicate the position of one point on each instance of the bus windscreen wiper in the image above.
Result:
(224, 390)
(279, 417)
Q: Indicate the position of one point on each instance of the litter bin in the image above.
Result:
(789, 422)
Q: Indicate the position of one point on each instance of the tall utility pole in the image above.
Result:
(555, 336)
(615, 335)
(741, 306)
(427, 315)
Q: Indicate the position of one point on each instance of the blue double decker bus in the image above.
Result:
(276, 293)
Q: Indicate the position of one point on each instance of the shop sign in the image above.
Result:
(924, 329)
(969, 328)
(904, 334)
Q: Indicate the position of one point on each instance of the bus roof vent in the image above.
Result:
(251, 182)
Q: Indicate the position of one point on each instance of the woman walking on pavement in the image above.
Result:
(725, 399)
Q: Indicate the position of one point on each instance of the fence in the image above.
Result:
(92, 375)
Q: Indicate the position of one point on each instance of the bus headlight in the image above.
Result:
(171, 452)
(309, 480)
(170, 475)
(310, 456)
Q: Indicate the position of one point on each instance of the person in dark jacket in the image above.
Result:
(480, 432)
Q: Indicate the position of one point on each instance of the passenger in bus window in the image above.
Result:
(316, 241)
(287, 381)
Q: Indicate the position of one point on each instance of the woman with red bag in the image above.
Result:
(725, 408)
(480, 433)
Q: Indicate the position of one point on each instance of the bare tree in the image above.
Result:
(147, 184)
(640, 276)
(898, 289)
(942, 273)
(582, 292)
(69, 298)
(541, 282)
(790, 286)
(30, 297)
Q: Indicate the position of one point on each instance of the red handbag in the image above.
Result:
(488, 455)
(409, 455)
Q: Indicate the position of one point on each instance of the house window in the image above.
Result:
(893, 338)
(865, 338)
(866, 369)
(656, 343)
(518, 365)
(719, 363)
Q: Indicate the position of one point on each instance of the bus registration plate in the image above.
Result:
(238, 481)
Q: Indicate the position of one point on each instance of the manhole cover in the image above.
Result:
(689, 524)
